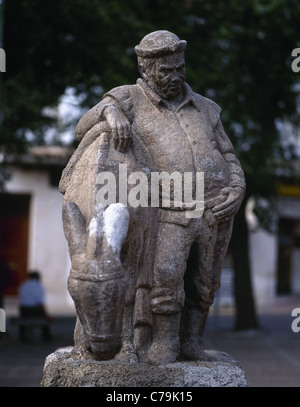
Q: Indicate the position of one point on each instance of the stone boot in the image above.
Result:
(191, 332)
(165, 345)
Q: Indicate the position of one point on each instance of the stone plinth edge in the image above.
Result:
(60, 370)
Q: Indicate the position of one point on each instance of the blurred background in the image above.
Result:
(60, 59)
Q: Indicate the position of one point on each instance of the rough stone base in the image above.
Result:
(62, 371)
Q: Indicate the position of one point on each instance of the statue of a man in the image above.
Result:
(182, 132)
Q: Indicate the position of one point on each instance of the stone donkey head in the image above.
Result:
(97, 280)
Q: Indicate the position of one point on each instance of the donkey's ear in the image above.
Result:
(74, 227)
(94, 235)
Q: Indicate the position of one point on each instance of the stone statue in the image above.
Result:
(145, 271)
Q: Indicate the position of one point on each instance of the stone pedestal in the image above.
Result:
(62, 371)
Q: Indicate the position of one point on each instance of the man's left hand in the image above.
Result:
(229, 207)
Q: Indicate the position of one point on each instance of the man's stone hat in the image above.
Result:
(159, 43)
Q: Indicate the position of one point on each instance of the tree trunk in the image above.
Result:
(244, 302)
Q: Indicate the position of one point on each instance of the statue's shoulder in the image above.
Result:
(207, 105)
(124, 97)
(203, 101)
(121, 93)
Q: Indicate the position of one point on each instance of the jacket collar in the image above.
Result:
(158, 101)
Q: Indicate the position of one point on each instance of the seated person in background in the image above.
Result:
(32, 298)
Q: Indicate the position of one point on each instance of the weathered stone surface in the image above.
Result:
(146, 260)
(62, 371)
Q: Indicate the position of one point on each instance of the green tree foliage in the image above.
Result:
(238, 54)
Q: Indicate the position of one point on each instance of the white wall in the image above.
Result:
(48, 250)
(263, 258)
(264, 252)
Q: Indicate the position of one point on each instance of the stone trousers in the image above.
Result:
(188, 261)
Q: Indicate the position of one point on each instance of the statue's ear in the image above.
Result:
(148, 70)
(94, 235)
(141, 69)
(74, 227)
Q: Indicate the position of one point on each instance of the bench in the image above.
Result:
(28, 325)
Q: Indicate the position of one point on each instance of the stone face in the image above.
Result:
(62, 371)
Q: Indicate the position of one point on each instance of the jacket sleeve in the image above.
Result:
(237, 178)
(119, 97)
(92, 117)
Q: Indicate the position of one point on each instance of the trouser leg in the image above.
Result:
(171, 253)
(212, 248)
(202, 280)
(167, 296)
(191, 333)
(165, 342)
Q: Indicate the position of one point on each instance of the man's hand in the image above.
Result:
(120, 128)
(229, 207)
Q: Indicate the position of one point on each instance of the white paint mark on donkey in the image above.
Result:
(116, 221)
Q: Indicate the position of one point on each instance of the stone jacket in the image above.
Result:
(188, 138)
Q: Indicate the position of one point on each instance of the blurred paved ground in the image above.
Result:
(269, 356)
